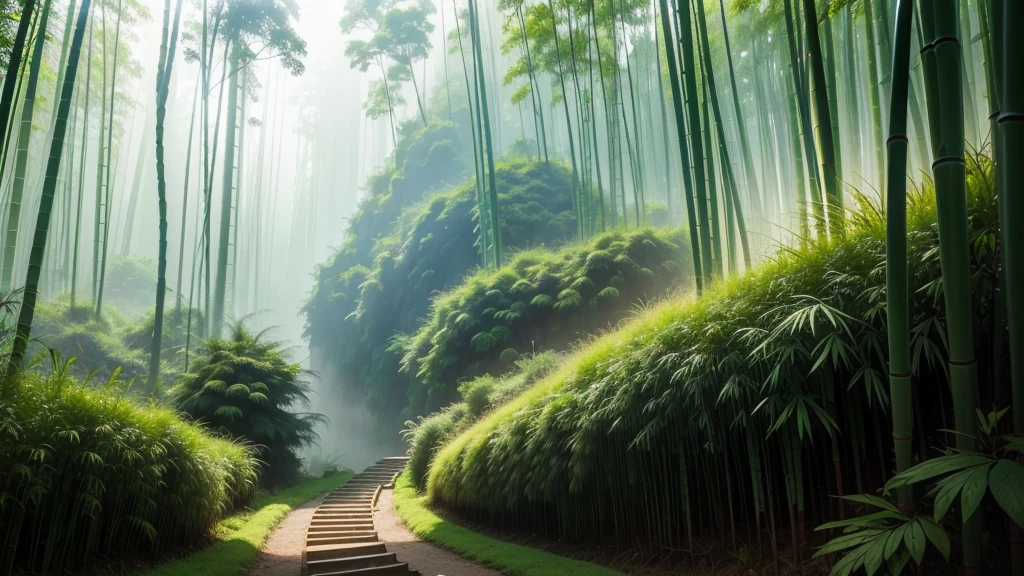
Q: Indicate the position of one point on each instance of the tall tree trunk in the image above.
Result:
(574, 186)
(31, 294)
(677, 107)
(110, 154)
(942, 59)
(823, 117)
(728, 174)
(753, 190)
(14, 68)
(1010, 145)
(81, 170)
(227, 194)
(685, 38)
(487, 140)
(184, 202)
(100, 160)
(874, 86)
(163, 88)
(21, 152)
(897, 289)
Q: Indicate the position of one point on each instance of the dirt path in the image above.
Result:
(282, 554)
(428, 559)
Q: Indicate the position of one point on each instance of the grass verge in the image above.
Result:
(510, 559)
(239, 538)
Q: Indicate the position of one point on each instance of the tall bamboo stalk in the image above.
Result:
(708, 266)
(823, 121)
(942, 56)
(22, 149)
(677, 106)
(1010, 130)
(897, 290)
(31, 293)
(753, 189)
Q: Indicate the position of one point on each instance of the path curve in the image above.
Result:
(282, 553)
(427, 559)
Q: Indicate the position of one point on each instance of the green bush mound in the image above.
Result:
(85, 472)
(113, 342)
(95, 342)
(361, 301)
(426, 435)
(242, 386)
(543, 300)
(704, 417)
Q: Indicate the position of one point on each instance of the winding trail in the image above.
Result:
(426, 558)
(355, 531)
(282, 554)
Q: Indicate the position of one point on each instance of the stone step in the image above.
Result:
(329, 551)
(341, 522)
(347, 539)
(327, 515)
(336, 533)
(391, 570)
(340, 528)
(333, 566)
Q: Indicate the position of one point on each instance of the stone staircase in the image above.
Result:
(341, 540)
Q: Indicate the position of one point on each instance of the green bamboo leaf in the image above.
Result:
(914, 538)
(849, 541)
(936, 467)
(898, 562)
(894, 540)
(873, 557)
(873, 501)
(1006, 481)
(948, 490)
(974, 490)
(849, 564)
(862, 520)
(936, 535)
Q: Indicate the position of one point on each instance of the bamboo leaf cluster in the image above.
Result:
(89, 472)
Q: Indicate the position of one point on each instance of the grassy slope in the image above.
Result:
(240, 538)
(508, 558)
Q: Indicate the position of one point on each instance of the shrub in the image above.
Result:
(87, 472)
(244, 387)
(543, 300)
(478, 396)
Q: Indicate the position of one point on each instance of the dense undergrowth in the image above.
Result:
(88, 473)
(427, 434)
(113, 342)
(722, 416)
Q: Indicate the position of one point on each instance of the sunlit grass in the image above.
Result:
(240, 538)
(510, 559)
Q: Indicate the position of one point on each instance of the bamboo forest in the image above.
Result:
(511, 287)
